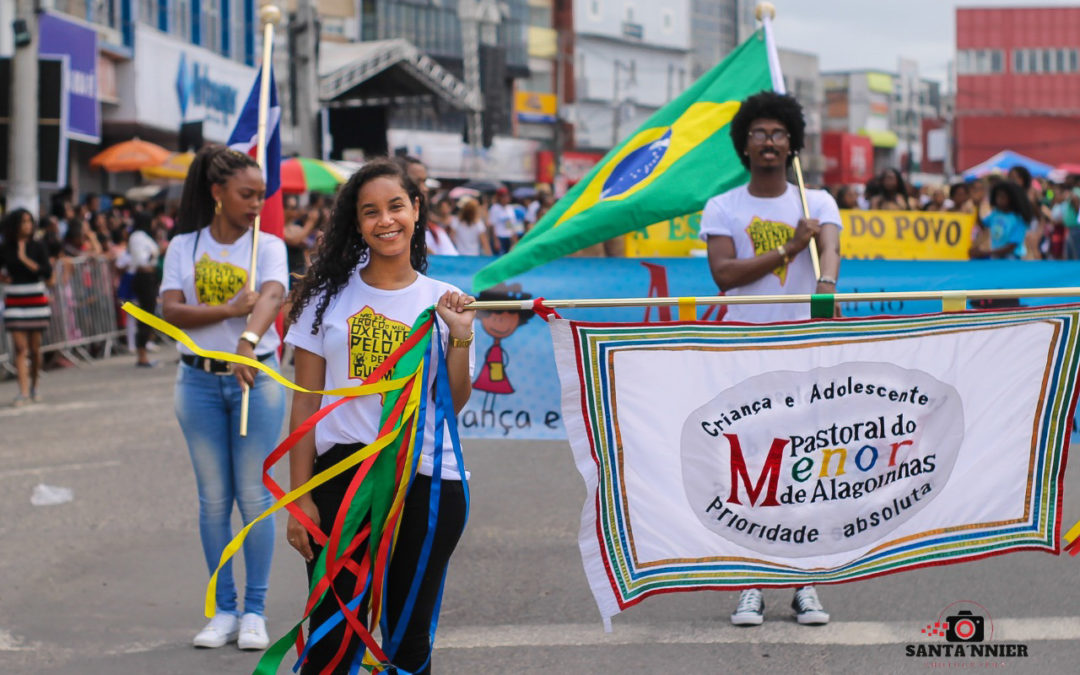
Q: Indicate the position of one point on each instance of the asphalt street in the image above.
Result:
(112, 582)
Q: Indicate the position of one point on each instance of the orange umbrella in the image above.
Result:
(174, 168)
(130, 156)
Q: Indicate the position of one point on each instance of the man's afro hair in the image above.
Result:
(771, 106)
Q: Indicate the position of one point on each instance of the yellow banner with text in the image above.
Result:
(879, 235)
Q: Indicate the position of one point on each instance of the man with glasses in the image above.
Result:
(758, 239)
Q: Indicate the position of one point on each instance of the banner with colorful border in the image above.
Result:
(719, 457)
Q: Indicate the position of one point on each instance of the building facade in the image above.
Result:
(888, 108)
(802, 79)
(630, 58)
(144, 68)
(745, 19)
(714, 33)
(1017, 84)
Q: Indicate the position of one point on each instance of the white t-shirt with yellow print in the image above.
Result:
(361, 326)
(214, 273)
(757, 225)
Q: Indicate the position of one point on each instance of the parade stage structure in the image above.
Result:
(359, 81)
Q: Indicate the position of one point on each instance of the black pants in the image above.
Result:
(145, 286)
(415, 647)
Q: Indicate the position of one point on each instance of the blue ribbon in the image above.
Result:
(444, 417)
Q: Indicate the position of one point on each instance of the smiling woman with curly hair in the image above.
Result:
(354, 308)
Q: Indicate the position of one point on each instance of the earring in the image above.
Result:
(217, 207)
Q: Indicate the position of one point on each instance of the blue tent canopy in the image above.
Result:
(1005, 160)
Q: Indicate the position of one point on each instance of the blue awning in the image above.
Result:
(1005, 160)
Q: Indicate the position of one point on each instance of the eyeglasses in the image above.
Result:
(761, 135)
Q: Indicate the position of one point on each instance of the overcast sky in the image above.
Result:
(850, 34)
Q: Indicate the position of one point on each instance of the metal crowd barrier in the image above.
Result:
(83, 324)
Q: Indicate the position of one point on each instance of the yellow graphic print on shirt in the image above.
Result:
(217, 282)
(766, 236)
(372, 338)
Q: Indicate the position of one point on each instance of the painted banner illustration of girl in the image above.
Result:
(493, 379)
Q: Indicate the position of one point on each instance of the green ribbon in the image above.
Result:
(822, 306)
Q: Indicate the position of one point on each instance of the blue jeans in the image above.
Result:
(1072, 243)
(228, 468)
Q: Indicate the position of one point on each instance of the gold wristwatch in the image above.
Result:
(251, 337)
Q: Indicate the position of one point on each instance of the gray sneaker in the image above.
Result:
(751, 609)
(808, 609)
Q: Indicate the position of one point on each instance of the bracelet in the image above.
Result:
(459, 342)
(251, 337)
(826, 280)
(783, 254)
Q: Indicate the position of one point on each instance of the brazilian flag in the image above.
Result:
(671, 166)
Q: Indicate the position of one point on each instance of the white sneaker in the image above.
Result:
(751, 609)
(808, 609)
(222, 629)
(253, 632)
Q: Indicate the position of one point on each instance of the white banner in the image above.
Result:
(723, 457)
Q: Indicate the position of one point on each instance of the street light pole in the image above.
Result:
(305, 29)
(22, 170)
(617, 101)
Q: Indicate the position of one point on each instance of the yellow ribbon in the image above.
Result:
(182, 337)
(687, 309)
(1073, 533)
(344, 465)
(953, 302)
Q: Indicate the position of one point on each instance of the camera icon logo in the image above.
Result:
(965, 626)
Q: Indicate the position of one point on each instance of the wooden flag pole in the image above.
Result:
(766, 12)
(986, 294)
(270, 15)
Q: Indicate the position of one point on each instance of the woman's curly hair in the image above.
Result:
(343, 249)
(768, 105)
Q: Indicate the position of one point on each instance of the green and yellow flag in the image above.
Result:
(671, 166)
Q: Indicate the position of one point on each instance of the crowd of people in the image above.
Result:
(1017, 216)
(462, 221)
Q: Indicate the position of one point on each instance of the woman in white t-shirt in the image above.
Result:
(205, 292)
(354, 308)
(471, 232)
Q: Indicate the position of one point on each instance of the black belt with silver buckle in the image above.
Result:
(215, 366)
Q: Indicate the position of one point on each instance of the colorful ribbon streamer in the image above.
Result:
(374, 499)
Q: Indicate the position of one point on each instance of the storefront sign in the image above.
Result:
(178, 82)
(533, 108)
(849, 158)
(77, 46)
